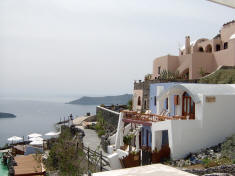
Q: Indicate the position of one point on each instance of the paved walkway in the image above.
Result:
(92, 140)
(79, 120)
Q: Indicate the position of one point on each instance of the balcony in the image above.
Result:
(147, 119)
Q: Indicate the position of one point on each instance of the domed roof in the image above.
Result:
(232, 37)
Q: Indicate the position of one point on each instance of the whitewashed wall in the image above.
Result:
(218, 122)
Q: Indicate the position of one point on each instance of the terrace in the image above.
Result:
(148, 118)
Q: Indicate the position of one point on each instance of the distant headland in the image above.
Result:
(107, 100)
(7, 115)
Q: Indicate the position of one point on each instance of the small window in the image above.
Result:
(201, 49)
(159, 70)
(225, 45)
(139, 101)
(145, 104)
(217, 47)
(166, 103)
(155, 100)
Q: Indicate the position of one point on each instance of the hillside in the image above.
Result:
(107, 100)
(6, 115)
(225, 75)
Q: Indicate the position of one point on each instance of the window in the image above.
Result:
(166, 103)
(139, 101)
(208, 48)
(159, 70)
(201, 49)
(155, 100)
(217, 47)
(225, 45)
(145, 104)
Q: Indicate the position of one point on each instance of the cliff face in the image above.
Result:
(107, 100)
(7, 115)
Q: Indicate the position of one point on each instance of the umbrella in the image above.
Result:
(52, 133)
(36, 139)
(33, 135)
(36, 143)
(14, 138)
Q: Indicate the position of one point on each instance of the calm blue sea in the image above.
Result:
(35, 116)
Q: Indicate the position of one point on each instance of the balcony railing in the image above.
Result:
(135, 116)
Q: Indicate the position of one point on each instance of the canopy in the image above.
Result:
(14, 138)
(229, 3)
(36, 143)
(52, 133)
(32, 135)
(36, 139)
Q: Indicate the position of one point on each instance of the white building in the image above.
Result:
(204, 115)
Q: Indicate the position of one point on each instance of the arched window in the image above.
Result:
(209, 48)
(201, 49)
(139, 101)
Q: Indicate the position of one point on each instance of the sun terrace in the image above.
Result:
(147, 118)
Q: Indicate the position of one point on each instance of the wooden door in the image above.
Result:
(188, 106)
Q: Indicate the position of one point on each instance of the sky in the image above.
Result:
(94, 47)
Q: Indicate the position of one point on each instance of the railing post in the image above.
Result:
(101, 167)
(88, 153)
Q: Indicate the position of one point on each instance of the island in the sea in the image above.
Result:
(107, 100)
(6, 115)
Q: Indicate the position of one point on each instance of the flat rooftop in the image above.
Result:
(27, 165)
(148, 170)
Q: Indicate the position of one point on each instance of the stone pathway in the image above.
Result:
(92, 140)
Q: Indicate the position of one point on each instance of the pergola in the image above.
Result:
(228, 3)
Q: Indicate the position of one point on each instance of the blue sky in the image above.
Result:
(94, 47)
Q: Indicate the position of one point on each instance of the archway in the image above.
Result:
(201, 49)
(209, 48)
(185, 74)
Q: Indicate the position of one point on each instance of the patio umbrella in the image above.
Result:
(32, 135)
(14, 139)
(36, 143)
(36, 139)
(52, 133)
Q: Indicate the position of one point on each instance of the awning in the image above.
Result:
(228, 3)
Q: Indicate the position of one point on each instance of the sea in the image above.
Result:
(35, 116)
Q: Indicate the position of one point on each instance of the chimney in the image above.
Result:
(187, 45)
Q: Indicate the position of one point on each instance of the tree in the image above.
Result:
(129, 105)
(65, 156)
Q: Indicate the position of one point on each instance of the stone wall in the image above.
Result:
(110, 117)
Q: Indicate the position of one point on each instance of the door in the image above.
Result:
(188, 106)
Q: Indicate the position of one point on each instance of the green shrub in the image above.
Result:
(215, 162)
(101, 132)
(100, 125)
(228, 148)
